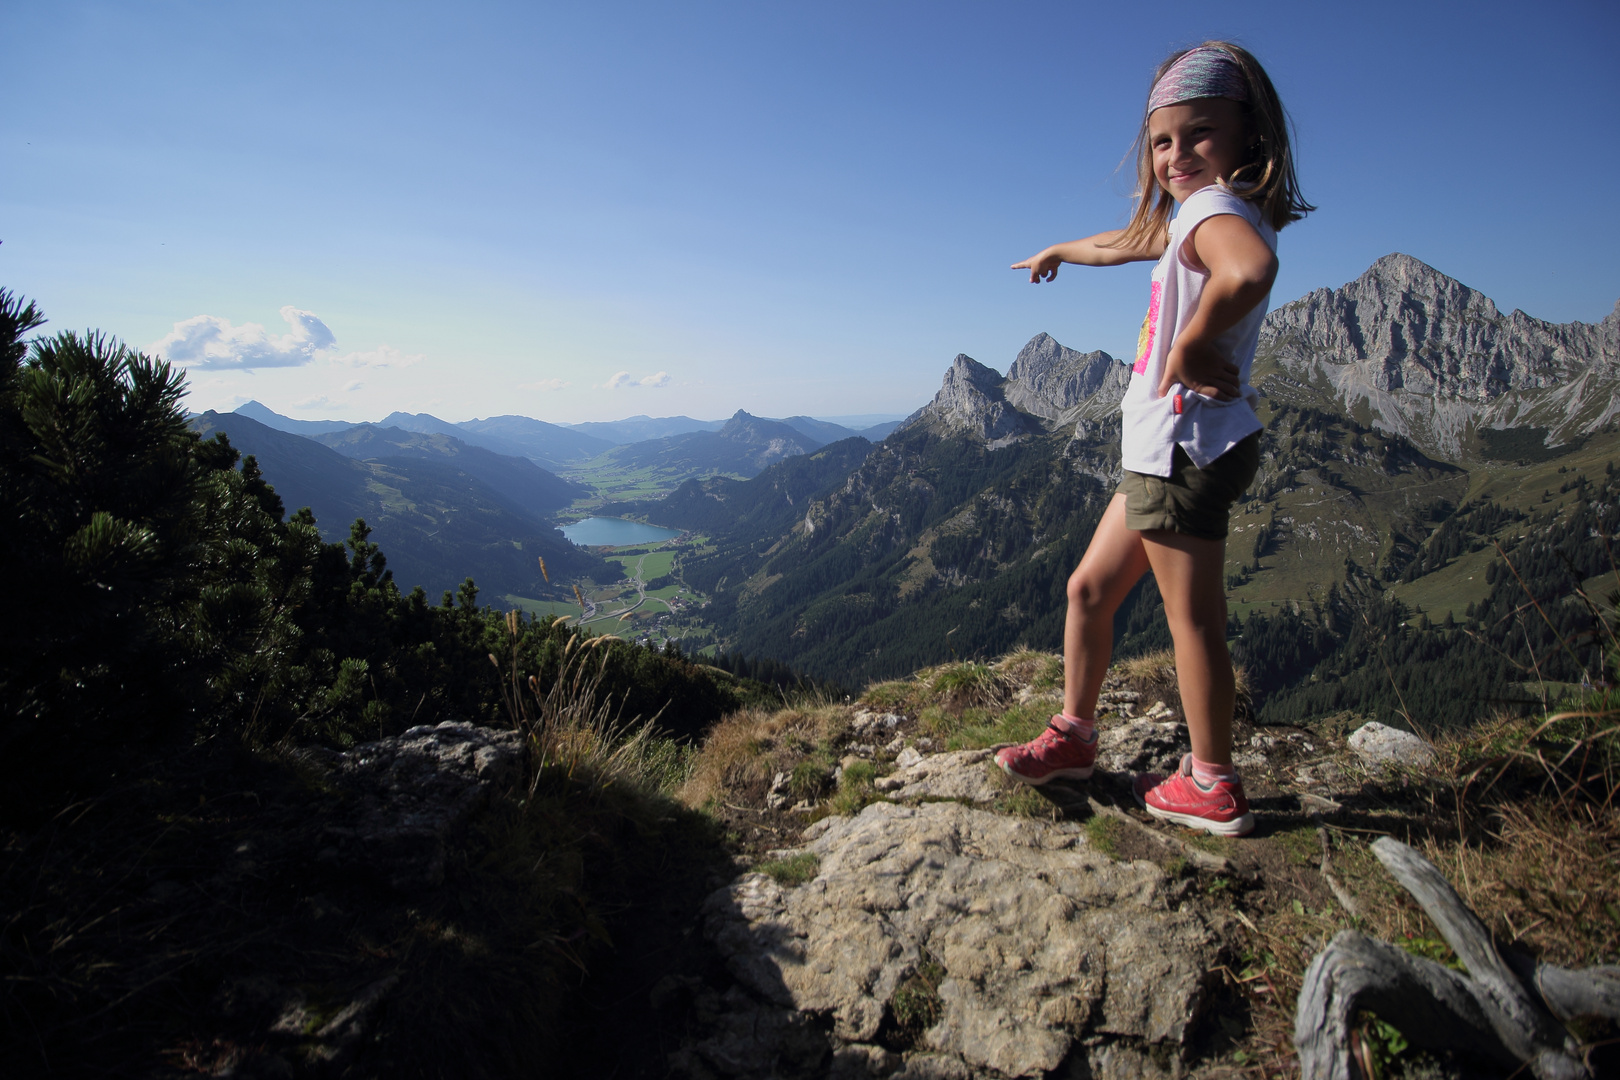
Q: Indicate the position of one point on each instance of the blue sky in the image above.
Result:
(583, 212)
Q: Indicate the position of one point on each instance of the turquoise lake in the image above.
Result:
(615, 532)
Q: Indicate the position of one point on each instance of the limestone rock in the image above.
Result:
(866, 722)
(971, 402)
(1378, 744)
(962, 774)
(1142, 746)
(748, 1039)
(412, 792)
(1429, 358)
(907, 758)
(1061, 385)
(1042, 941)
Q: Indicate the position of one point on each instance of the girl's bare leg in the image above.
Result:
(1113, 562)
(1190, 573)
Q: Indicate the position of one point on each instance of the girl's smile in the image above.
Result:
(1196, 143)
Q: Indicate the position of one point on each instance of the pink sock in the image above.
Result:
(1206, 773)
(1082, 729)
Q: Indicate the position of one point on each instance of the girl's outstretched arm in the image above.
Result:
(1241, 269)
(1092, 251)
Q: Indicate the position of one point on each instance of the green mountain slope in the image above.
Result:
(743, 448)
(526, 488)
(438, 523)
(548, 445)
(766, 505)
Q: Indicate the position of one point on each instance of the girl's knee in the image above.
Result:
(1086, 595)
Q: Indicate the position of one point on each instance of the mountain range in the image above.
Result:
(440, 515)
(1414, 352)
(440, 497)
(744, 446)
(1410, 428)
(526, 486)
(1412, 431)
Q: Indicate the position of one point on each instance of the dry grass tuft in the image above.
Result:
(1547, 879)
(1022, 665)
(746, 749)
(896, 695)
(1153, 667)
(967, 685)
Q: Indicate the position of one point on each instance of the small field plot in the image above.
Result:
(541, 607)
(1451, 588)
(657, 564)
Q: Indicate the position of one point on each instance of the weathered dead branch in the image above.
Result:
(1510, 1012)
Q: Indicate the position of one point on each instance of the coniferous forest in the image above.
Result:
(172, 597)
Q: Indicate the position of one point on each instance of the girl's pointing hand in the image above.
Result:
(1042, 267)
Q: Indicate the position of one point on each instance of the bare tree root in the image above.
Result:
(1509, 1013)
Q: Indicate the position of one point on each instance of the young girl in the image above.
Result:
(1214, 140)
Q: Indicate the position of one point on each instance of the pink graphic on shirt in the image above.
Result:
(1150, 327)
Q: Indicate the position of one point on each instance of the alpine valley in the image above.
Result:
(1412, 432)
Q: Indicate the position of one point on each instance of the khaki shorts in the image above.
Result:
(1196, 502)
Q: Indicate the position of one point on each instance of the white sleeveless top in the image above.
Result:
(1204, 427)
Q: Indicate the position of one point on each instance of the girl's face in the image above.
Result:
(1196, 143)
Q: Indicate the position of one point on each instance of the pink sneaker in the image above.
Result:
(1221, 808)
(1052, 754)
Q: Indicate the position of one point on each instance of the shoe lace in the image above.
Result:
(1054, 737)
(1051, 737)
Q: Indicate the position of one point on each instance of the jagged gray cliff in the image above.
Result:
(972, 401)
(1061, 385)
(1414, 352)
(1403, 348)
(1047, 387)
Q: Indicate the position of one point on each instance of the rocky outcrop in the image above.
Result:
(1061, 385)
(964, 775)
(1418, 353)
(767, 441)
(1031, 949)
(971, 402)
(1379, 744)
(1146, 745)
(1048, 386)
(406, 797)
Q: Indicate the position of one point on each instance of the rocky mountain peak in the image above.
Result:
(768, 440)
(969, 372)
(1425, 356)
(1058, 383)
(741, 425)
(971, 401)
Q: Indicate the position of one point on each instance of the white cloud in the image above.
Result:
(354, 386)
(545, 384)
(383, 356)
(207, 341)
(621, 379)
(320, 401)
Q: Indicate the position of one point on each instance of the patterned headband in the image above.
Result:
(1204, 72)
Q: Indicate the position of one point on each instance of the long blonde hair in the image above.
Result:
(1267, 178)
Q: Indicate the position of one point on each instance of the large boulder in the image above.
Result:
(1379, 744)
(960, 774)
(407, 796)
(1050, 951)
